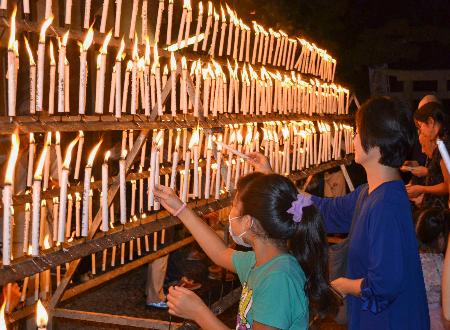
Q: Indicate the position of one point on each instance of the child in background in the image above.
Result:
(432, 231)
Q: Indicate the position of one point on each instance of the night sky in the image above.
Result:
(405, 34)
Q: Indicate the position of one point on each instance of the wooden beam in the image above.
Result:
(28, 266)
(121, 320)
(321, 168)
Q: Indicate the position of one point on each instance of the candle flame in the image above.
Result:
(104, 49)
(158, 138)
(107, 155)
(210, 8)
(12, 36)
(216, 15)
(65, 38)
(186, 4)
(183, 63)
(40, 166)
(46, 238)
(123, 155)
(120, 52)
(44, 28)
(99, 61)
(232, 138)
(88, 40)
(173, 62)
(30, 53)
(92, 154)
(135, 54)
(177, 142)
(166, 70)
(57, 138)
(2, 316)
(52, 55)
(130, 65)
(68, 157)
(224, 17)
(194, 138)
(141, 64)
(12, 159)
(41, 315)
(285, 131)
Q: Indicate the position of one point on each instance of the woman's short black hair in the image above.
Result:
(437, 112)
(385, 123)
(432, 223)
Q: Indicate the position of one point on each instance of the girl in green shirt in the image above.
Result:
(286, 273)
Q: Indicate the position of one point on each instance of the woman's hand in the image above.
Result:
(185, 303)
(347, 286)
(414, 191)
(259, 162)
(168, 199)
(419, 171)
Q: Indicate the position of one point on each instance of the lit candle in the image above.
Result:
(40, 67)
(61, 72)
(183, 87)
(134, 80)
(7, 200)
(157, 70)
(41, 316)
(219, 165)
(122, 187)
(208, 167)
(207, 78)
(175, 161)
(79, 154)
(238, 159)
(199, 25)
(230, 29)
(222, 31)
(208, 25)
(187, 163)
(84, 71)
(158, 20)
(126, 84)
(169, 23)
(144, 17)
(173, 77)
(188, 23)
(51, 94)
(31, 152)
(63, 191)
(195, 149)
(86, 191)
(133, 19)
(117, 18)
(214, 36)
(243, 33)
(36, 202)
(154, 161)
(104, 16)
(237, 29)
(12, 67)
(32, 78)
(100, 92)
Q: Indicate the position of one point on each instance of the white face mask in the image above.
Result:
(238, 238)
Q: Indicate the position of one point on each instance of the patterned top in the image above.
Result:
(434, 177)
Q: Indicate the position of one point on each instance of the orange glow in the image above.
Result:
(104, 49)
(2, 316)
(173, 62)
(88, 41)
(41, 315)
(224, 17)
(147, 50)
(120, 52)
(124, 153)
(68, 158)
(52, 55)
(12, 36)
(12, 159)
(210, 8)
(44, 28)
(65, 38)
(155, 54)
(92, 154)
(135, 54)
(30, 53)
(194, 138)
(183, 63)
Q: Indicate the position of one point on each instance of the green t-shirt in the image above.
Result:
(272, 294)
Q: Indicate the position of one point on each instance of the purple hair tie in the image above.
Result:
(297, 206)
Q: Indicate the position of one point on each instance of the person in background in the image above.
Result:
(432, 123)
(432, 230)
(284, 276)
(384, 284)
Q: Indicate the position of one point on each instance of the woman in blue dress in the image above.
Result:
(384, 284)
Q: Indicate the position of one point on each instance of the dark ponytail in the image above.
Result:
(267, 198)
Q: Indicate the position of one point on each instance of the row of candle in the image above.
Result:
(255, 94)
(304, 144)
(267, 47)
(41, 315)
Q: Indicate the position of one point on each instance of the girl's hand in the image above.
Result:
(414, 191)
(185, 303)
(259, 162)
(419, 171)
(168, 199)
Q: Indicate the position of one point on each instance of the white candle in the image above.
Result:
(51, 94)
(208, 25)
(32, 77)
(122, 187)
(158, 80)
(31, 152)
(187, 164)
(241, 49)
(236, 40)
(144, 17)
(40, 65)
(63, 192)
(169, 23)
(133, 19)
(84, 71)
(173, 92)
(117, 19)
(48, 8)
(182, 24)
(199, 25)
(214, 36)
(104, 16)
(100, 92)
(61, 74)
(188, 23)
(79, 154)
(158, 20)
(230, 29)
(68, 16)
(222, 31)
(183, 89)
(87, 14)
(219, 165)
(86, 192)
